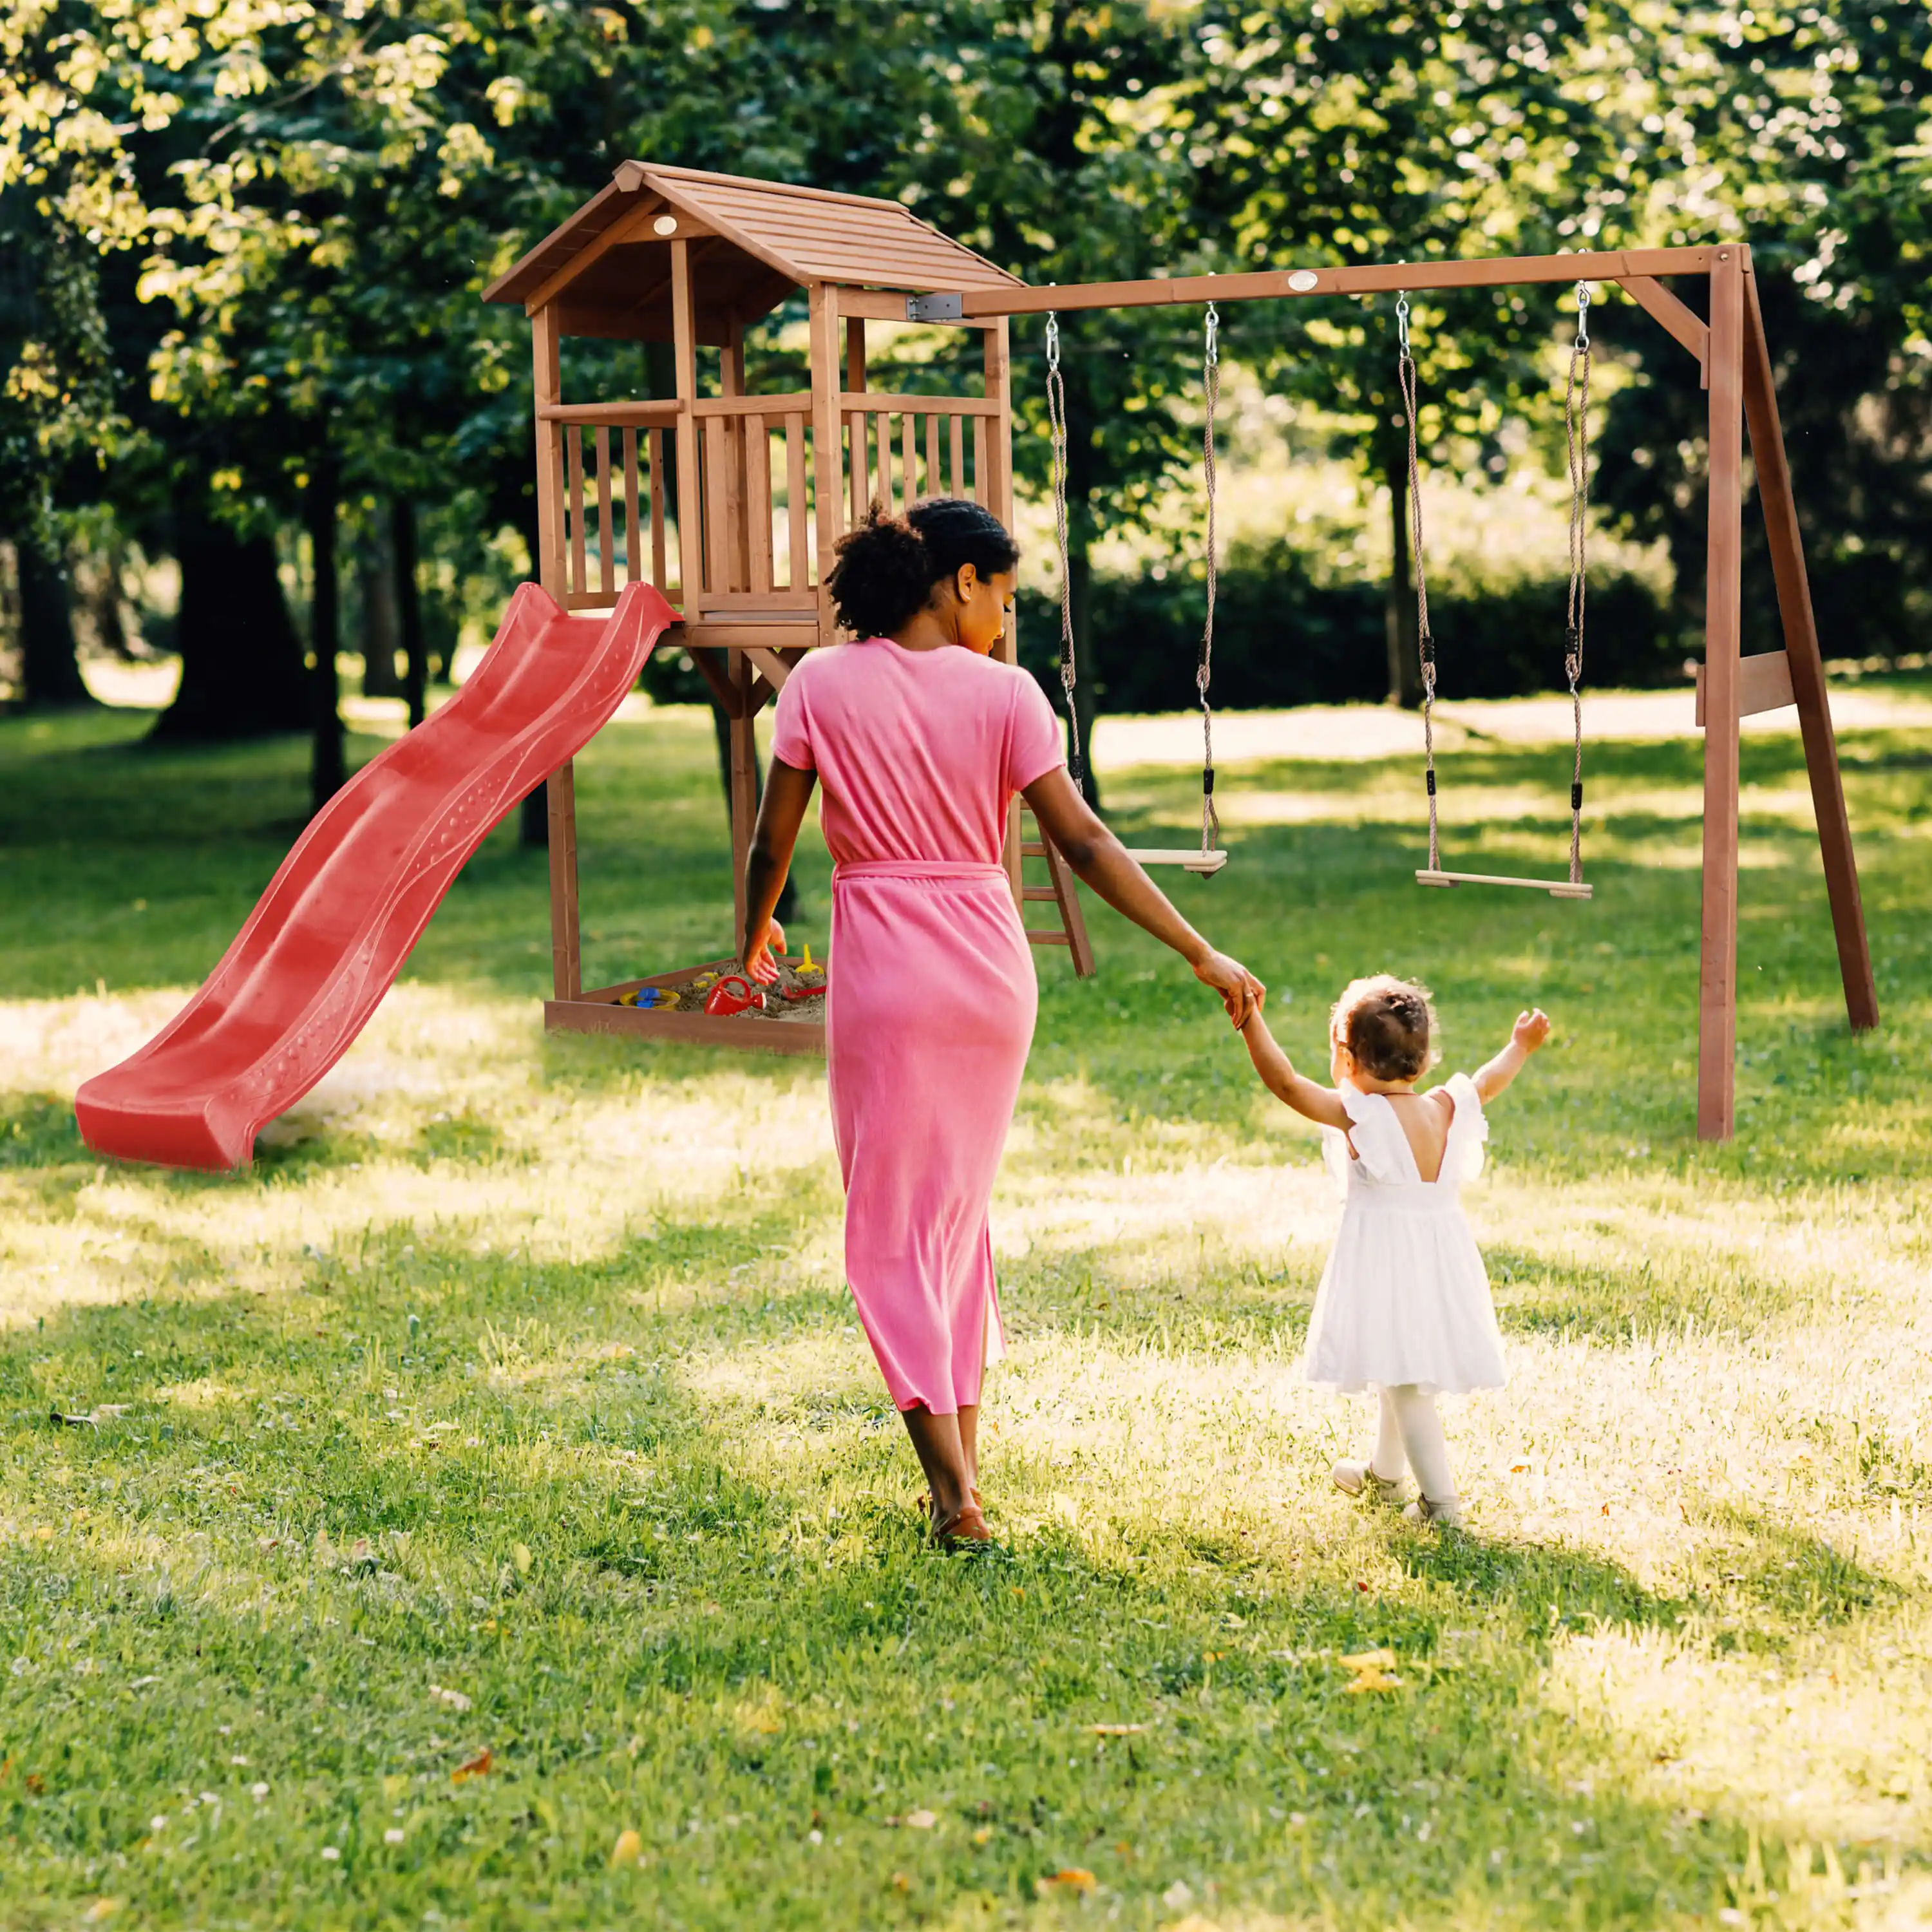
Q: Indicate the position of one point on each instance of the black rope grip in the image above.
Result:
(1207, 781)
(1576, 797)
(1430, 778)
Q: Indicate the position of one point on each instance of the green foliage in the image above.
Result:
(1283, 636)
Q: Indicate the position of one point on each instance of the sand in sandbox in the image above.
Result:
(777, 1007)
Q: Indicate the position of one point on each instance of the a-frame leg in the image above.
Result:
(1807, 668)
(1718, 951)
(566, 947)
(744, 789)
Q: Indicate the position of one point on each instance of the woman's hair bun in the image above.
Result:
(886, 567)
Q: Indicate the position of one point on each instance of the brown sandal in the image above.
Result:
(965, 1526)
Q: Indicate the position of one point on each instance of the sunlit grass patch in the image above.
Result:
(514, 1404)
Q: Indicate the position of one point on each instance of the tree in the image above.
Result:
(1333, 134)
(1823, 111)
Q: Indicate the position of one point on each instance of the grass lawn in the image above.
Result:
(493, 1517)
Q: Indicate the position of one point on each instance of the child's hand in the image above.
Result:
(1531, 1030)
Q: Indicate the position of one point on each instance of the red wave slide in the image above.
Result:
(330, 935)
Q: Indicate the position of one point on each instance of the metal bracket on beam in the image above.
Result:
(936, 308)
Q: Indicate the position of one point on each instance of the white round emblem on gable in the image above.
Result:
(665, 224)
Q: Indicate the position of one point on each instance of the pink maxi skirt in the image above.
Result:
(928, 1018)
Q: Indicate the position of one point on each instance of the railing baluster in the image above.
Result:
(980, 461)
(958, 425)
(935, 483)
(799, 565)
(658, 575)
(574, 449)
(633, 536)
(909, 467)
(607, 552)
(758, 499)
(715, 520)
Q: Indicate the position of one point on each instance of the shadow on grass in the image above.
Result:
(643, 1631)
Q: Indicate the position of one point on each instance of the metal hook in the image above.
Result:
(1052, 339)
(1402, 319)
(1583, 315)
(1213, 352)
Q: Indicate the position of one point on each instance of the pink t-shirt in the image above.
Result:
(919, 751)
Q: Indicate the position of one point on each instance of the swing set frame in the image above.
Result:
(1734, 366)
(731, 502)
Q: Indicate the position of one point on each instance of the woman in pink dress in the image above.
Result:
(921, 739)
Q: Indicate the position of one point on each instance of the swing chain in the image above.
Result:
(1211, 371)
(1405, 370)
(1577, 431)
(1056, 420)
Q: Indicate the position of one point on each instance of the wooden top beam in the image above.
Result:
(1608, 266)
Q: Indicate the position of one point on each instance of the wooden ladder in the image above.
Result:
(1060, 892)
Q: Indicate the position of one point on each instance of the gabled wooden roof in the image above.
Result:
(754, 242)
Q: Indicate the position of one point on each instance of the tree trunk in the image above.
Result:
(241, 656)
(327, 767)
(381, 622)
(1398, 606)
(409, 608)
(50, 675)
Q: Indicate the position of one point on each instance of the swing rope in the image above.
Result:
(1056, 424)
(1425, 644)
(1211, 371)
(1577, 431)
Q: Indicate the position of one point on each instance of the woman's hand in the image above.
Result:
(1241, 993)
(758, 962)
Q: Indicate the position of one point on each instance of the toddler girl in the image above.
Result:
(1404, 1303)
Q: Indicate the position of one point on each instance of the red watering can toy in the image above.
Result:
(733, 994)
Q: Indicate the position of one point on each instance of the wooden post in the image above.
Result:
(1717, 969)
(744, 787)
(553, 573)
(690, 498)
(548, 383)
(738, 485)
(859, 482)
(1807, 664)
(826, 465)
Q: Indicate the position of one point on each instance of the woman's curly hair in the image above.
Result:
(887, 568)
(1388, 1026)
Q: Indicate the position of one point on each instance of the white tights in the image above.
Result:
(1410, 1433)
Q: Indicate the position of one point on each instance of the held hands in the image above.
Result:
(1241, 993)
(757, 962)
(1531, 1030)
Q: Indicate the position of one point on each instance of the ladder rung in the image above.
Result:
(1040, 936)
(1029, 850)
(1039, 892)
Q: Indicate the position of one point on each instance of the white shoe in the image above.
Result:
(1354, 1479)
(1447, 1512)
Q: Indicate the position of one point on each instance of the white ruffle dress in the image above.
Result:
(1404, 1297)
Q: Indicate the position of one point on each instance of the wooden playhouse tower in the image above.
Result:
(730, 503)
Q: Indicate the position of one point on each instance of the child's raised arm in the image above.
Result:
(1531, 1030)
(1322, 1104)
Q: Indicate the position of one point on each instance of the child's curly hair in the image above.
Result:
(1388, 1026)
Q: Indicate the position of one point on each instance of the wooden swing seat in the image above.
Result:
(1557, 889)
(1205, 864)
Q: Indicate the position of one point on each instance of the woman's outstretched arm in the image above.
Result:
(1099, 858)
(781, 812)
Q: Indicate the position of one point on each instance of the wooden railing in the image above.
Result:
(885, 467)
(756, 483)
